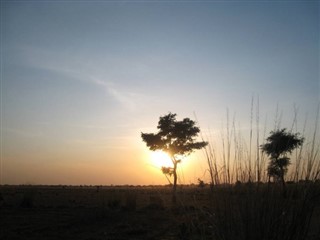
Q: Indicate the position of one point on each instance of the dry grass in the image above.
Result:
(223, 212)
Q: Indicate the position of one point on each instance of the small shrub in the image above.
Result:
(201, 183)
(156, 202)
(131, 201)
(27, 200)
(1, 200)
(114, 202)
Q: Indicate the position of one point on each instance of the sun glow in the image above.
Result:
(160, 159)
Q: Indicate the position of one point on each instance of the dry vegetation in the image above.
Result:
(223, 212)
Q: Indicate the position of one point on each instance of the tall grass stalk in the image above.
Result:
(260, 211)
(250, 140)
(235, 160)
(312, 169)
(210, 156)
(258, 143)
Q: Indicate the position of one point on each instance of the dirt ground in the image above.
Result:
(89, 213)
(109, 213)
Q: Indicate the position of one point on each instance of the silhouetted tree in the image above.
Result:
(176, 138)
(278, 145)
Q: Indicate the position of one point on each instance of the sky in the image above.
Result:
(80, 80)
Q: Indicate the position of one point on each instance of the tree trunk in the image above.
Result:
(284, 189)
(175, 178)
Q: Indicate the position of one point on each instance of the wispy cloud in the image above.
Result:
(23, 133)
(125, 98)
(79, 69)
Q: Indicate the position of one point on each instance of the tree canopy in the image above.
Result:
(281, 142)
(278, 145)
(174, 137)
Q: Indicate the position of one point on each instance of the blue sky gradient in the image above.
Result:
(80, 80)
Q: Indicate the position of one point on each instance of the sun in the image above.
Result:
(161, 159)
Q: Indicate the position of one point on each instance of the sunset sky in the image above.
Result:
(80, 80)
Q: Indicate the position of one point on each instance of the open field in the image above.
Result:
(64, 212)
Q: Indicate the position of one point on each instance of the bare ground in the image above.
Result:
(110, 213)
